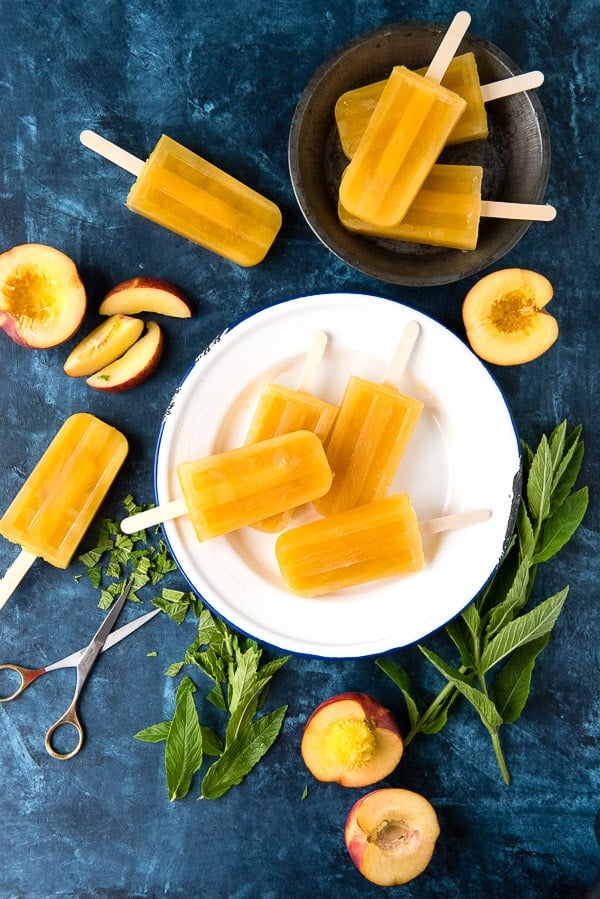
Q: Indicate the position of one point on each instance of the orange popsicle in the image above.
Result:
(185, 193)
(281, 410)
(370, 434)
(56, 504)
(239, 487)
(447, 211)
(377, 540)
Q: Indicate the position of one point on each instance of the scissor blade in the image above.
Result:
(113, 638)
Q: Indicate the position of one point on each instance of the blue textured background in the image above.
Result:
(224, 79)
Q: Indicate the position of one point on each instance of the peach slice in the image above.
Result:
(103, 345)
(351, 739)
(134, 367)
(146, 295)
(505, 318)
(391, 835)
(42, 298)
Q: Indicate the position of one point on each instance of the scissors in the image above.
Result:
(83, 661)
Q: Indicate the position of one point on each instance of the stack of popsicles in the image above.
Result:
(393, 132)
(301, 449)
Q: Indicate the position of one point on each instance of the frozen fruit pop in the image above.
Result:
(377, 540)
(370, 434)
(447, 210)
(281, 410)
(355, 107)
(403, 138)
(239, 487)
(183, 192)
(56, 504)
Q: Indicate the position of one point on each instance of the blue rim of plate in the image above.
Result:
(289, 643)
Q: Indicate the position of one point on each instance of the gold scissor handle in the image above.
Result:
(27, 675)
(70, 718)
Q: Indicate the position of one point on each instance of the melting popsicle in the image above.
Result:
(370, 434)
(354, 108)
(239, 487)
(447, 210)
(403, 138)
(56, 504)
(183, 192)
(281, 410)
(377, 540)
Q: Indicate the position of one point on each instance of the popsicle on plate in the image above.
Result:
(239, 487)
(378, 540)
(187, 194)
(404, 136)
(447, 211)
(371, 431)
(56, 504)
(281, 410)
(354, 108)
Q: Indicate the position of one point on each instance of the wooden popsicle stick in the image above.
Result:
(532, 212)
(399, 360)
(516, 84)
(453, 522)
(14, 575)
(448, 46)
(312, 362)
(157, 515)
(112, 152)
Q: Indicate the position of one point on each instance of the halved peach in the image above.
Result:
(391, 835)
(351, 739)
(505, 318)
(103, 345)
(134, 367)
(146, 294)
(42, 297)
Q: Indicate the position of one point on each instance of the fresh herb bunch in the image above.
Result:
(497, 639)
(240, 687)
(118, 556)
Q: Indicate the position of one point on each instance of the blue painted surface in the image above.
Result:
(224, 79)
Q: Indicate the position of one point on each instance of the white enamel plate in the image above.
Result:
(464, 454)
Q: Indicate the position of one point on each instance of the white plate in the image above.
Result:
(464, 454)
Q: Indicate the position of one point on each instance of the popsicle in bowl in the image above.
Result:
(55, 506)
(354, 108)
(238, 487)
(187, 194)
(281, 410)
(377, 540)
(403, 138)
(447, 211)
(371, 431)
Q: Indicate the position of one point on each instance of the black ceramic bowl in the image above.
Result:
(515, 157)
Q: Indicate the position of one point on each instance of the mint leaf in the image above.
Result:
(539, 481)
(528, 627)
(183, 750)
(156, 733)
(510, 689)
(559, 529)
(242, 755)
(404, 684)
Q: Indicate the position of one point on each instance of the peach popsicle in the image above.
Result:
(354, 108)
(186, 194)
(281, 410)
(56, 504)
(380, 539)
(447, 210)
(403, 138)
(239, 487)
(370, 434)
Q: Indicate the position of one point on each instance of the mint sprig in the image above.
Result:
(501, 634)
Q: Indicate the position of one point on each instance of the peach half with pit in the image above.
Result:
(110, 340)
(146, 294)
(505, 317)
(391, 835)
(134, 366)
(351, 739)
(42, 298)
